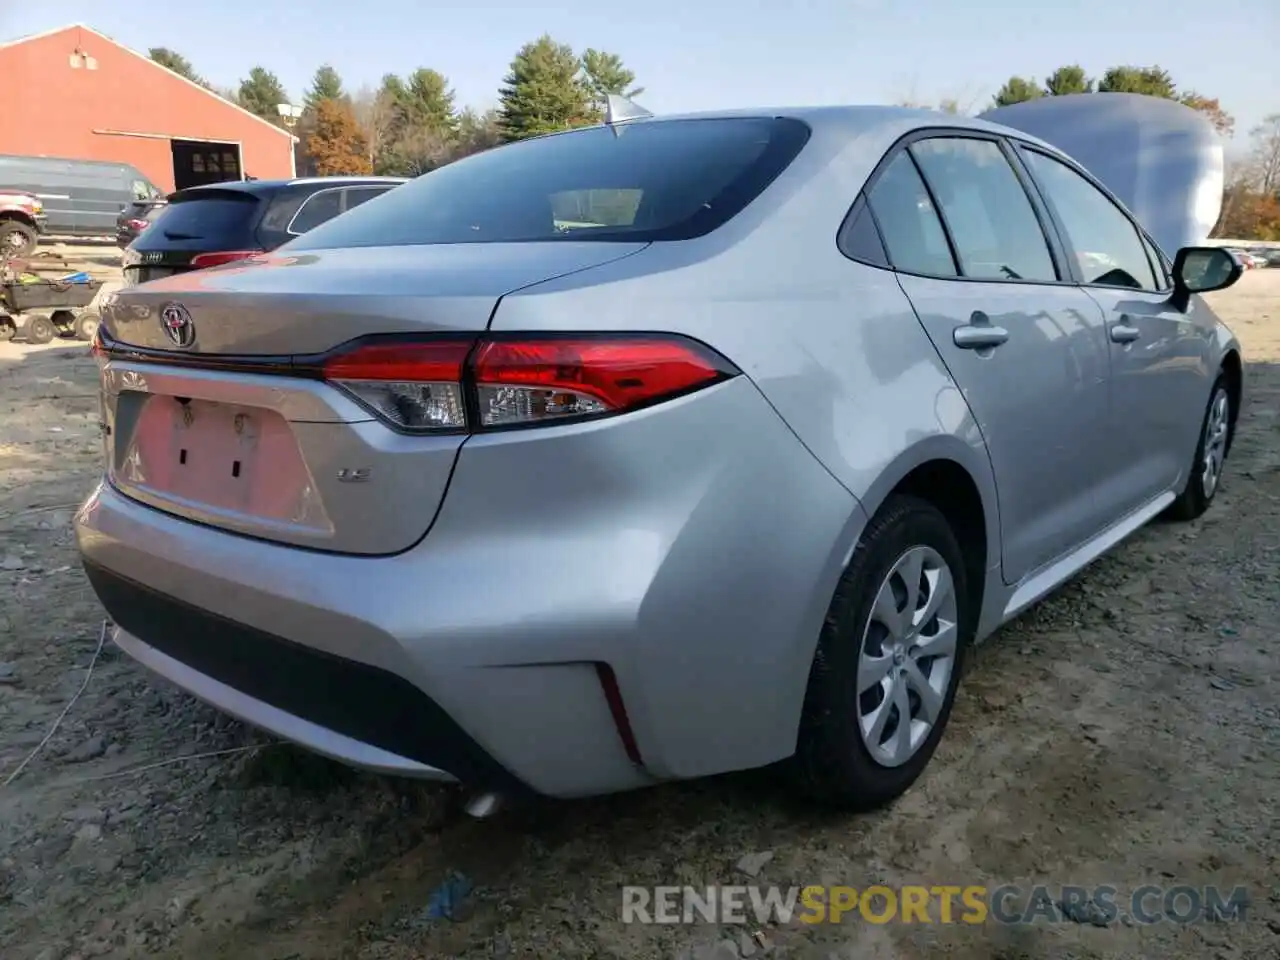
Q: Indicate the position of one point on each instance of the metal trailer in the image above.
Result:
(39, 310)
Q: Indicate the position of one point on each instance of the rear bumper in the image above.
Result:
(341, 708)
(691, 548)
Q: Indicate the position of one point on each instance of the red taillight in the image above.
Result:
(424, 385)
(520, 380)
(138, 225)
(414, 386)
(202, 260)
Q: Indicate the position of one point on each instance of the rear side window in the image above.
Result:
(647, 180)
(318, 208)
(214, 216)
(912, 232)
(359, 195)
(993, 225)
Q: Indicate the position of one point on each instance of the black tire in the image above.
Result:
(1196, 496)
(17, 239)
(86, 326)
(40, 330)
(7, 329)
(832, 763)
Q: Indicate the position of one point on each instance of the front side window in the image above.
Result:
(320, 208)
(995, 230)
(912, 232)
(641, 181)
(1106, 242)
(1164, 279)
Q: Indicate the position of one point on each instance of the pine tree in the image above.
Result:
(543, 92)
(261, 93)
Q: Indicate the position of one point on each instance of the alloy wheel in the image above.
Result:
(907, 656)
(1216, 427)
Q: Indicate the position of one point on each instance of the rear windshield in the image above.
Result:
(224, 215)
(648, 180)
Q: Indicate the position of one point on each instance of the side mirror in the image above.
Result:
(1202, 270)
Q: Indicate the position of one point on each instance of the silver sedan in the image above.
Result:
(666, 447)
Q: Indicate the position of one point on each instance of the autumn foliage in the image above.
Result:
(336, 143)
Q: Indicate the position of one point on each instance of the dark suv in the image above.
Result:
(135, 218)
(219, 223)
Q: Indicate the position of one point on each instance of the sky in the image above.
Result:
(711, 54)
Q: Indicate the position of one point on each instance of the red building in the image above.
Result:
(79, 95)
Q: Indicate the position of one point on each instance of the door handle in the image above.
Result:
(979, 333)
(1124, 332)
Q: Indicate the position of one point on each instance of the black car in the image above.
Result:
(220, 223)
(136, 218)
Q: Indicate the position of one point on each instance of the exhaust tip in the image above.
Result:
(484, 805)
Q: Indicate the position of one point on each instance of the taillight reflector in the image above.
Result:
(425, 361)
(424, 385)
(202, 260)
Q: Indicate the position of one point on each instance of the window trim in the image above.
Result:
(1158, 272)
(1163, 266)
(342, 203)
(1058, 252)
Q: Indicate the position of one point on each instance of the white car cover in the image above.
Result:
(1162, 159)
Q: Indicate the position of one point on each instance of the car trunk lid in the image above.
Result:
(1162, 159)
(304, 304)
(224, 432)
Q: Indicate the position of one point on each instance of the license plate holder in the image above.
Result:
(226, 457)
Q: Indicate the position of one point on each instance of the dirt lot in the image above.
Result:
(1127, 731)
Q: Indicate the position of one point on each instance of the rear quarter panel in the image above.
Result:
(833, 345)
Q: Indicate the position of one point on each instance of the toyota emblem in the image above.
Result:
(178, 325)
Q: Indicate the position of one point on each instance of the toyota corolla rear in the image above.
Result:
(347, 503)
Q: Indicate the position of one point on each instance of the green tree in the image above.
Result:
(478, 131)
(605, 73)
(172, 60)
(1068, 80)
(261, 92)
(325, 85)
(1152, 81)
(428, 101)
(543, 91)
(412, 124)
(1017, 90)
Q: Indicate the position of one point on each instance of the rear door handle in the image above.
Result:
(979, 333)
(1124, 332)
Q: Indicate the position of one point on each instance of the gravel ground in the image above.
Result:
(1126, 731)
